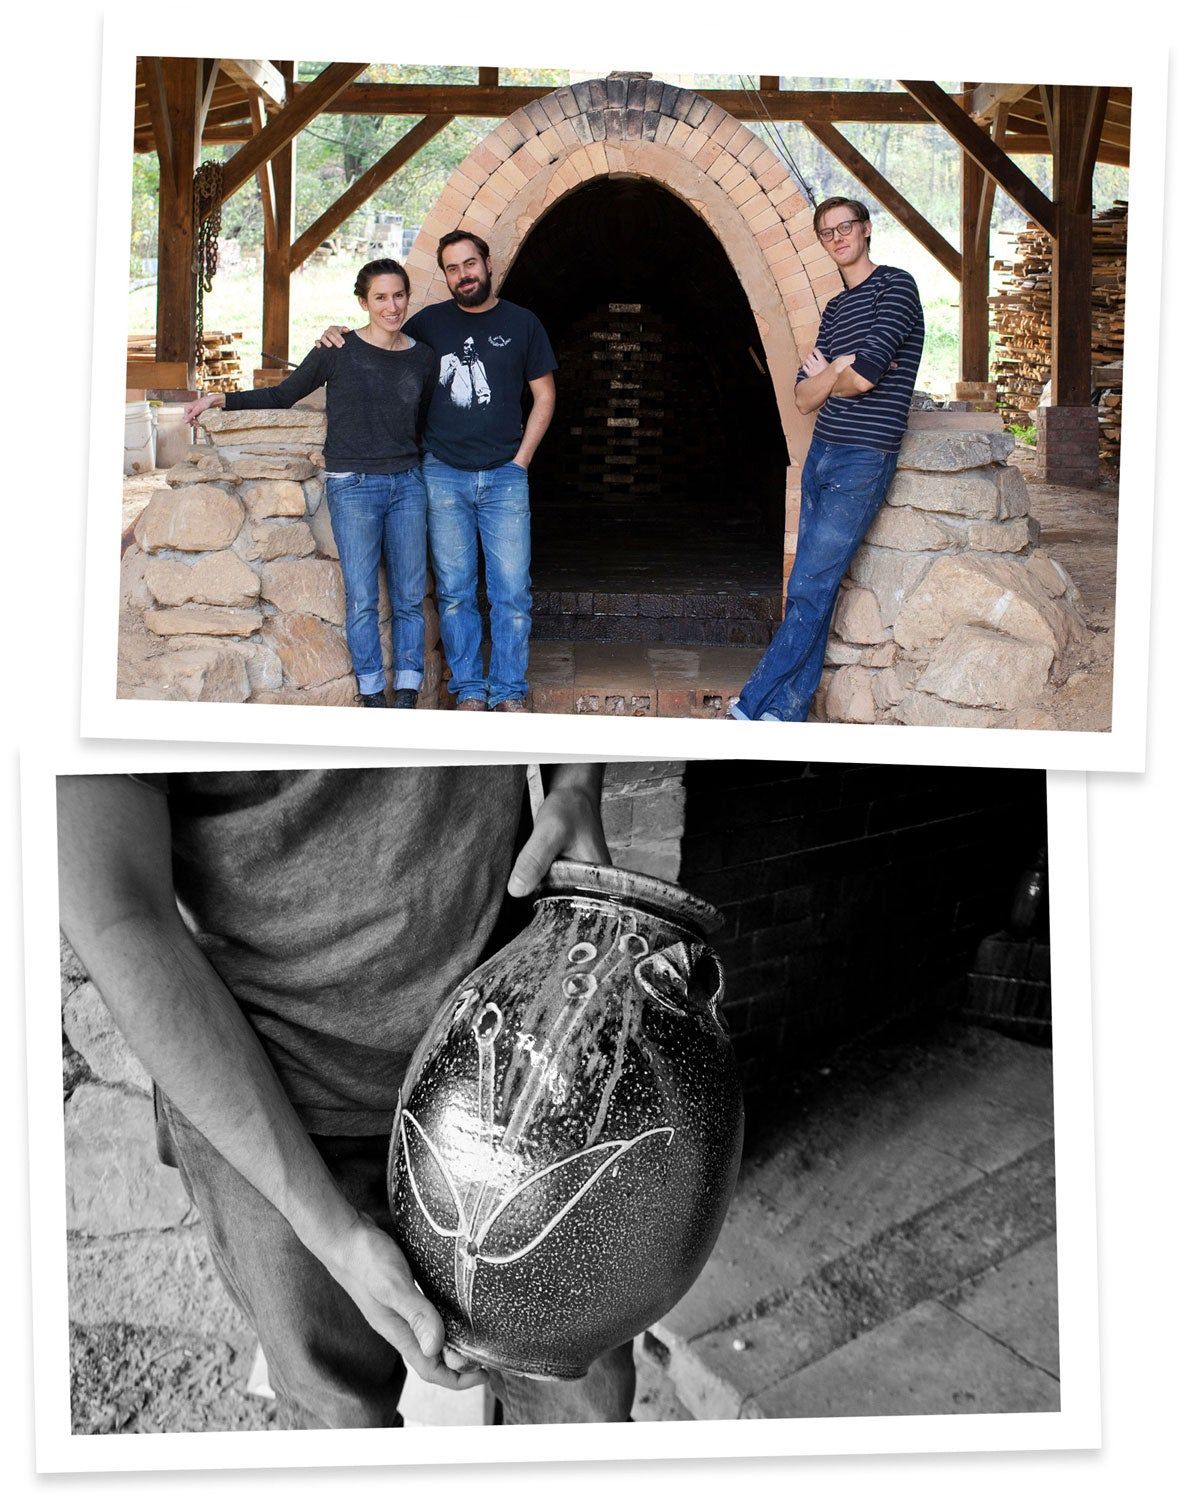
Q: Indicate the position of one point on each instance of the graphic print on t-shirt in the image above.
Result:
(466, 375)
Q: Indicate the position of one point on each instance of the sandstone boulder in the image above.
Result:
(980, 669)
(1000, 536)
(312, 653)
(91, 1031)
(321, 526)
(264, 466)
(268, 541)
(891, 576)
(1014, 493)
(277, 427)
(218, 578)
(856, 617)
(340, 693)
(115, 1182)
(925, 710)
(200, 671)
(203, 619)
(200, 465)
(971, 493)
(258, 661)
(310, 586)
(850, 699)
(907, 530)
(953, 450)
(274, 497)
(974, 589)
(198, 518)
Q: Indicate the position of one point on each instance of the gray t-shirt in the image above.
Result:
(341, 907)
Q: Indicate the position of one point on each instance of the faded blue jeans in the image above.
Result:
(374, 516)
(841, 489)
(327, 1365)
(466, 507)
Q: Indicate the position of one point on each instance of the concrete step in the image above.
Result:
(637, 681)
(897, 1210)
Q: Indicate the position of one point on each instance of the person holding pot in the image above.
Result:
(277, 1022)
(378, 386)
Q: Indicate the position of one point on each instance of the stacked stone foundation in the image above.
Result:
(951, 613)
(231, 580)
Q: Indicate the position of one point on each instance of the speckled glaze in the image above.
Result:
(570, 1129)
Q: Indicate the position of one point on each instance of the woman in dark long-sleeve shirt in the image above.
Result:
(378, 386)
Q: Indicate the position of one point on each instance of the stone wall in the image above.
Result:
(951, 613)
(230, 586)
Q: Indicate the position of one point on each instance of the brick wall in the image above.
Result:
(852, 894)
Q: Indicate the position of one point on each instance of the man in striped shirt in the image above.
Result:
(859, 379)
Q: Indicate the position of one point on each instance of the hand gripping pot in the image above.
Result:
(570, 1128)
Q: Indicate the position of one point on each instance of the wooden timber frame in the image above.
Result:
(258, 106)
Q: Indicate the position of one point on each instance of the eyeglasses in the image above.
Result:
(841, 230)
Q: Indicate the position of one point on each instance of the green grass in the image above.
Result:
(1024, 433)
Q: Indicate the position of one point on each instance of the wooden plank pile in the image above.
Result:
(220, 369)
(1021, 318)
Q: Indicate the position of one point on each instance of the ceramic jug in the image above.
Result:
(569, 1130)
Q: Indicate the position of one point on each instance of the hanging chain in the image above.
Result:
(207, 188)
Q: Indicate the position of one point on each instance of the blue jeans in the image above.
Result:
(466, 507)
(841, 489)
(373, 516)
(327, 1365)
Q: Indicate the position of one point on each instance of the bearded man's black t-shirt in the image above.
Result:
(485, 360)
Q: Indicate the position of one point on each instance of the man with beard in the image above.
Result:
(476, 467)
(860, 379)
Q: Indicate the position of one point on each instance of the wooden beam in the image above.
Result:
(150, 71)
(277, 256)
(489, 103)
(1072, 110)
(983, 99)
(768, 83)
(1110, 153)
(901, 209)
(369, 183)
(973, 289)
(257, 77)
(982, 149)
(489, 78)
(306, 104)
(184, 88)
(266, 180)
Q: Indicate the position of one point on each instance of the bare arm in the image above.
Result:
(539, 419)
(567, 824)
(118, 911)
(821, 377)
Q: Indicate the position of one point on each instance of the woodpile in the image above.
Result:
(219, 370)
(1021, 318)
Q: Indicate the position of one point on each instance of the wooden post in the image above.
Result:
(973, 288)
(177, 110)
(1072, 109)
(277, 253)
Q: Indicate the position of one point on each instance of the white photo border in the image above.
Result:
(1065, 51)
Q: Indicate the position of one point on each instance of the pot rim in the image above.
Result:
(662, 897)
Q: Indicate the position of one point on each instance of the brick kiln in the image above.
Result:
(671, 256)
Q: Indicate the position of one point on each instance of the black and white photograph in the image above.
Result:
(654, 1091)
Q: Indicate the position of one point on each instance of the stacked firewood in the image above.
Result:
(1021, 318)
(220, 368)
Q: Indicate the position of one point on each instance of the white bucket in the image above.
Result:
(139, 437)
(172, 435)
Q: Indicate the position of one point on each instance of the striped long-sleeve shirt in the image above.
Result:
(881, 323)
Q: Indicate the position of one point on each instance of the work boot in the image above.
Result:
(511, 706)
(372, 700)
(471, 705)
(404, 698)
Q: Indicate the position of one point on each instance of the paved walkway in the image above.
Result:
(891, 1246)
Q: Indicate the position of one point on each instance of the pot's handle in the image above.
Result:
(708, 975)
